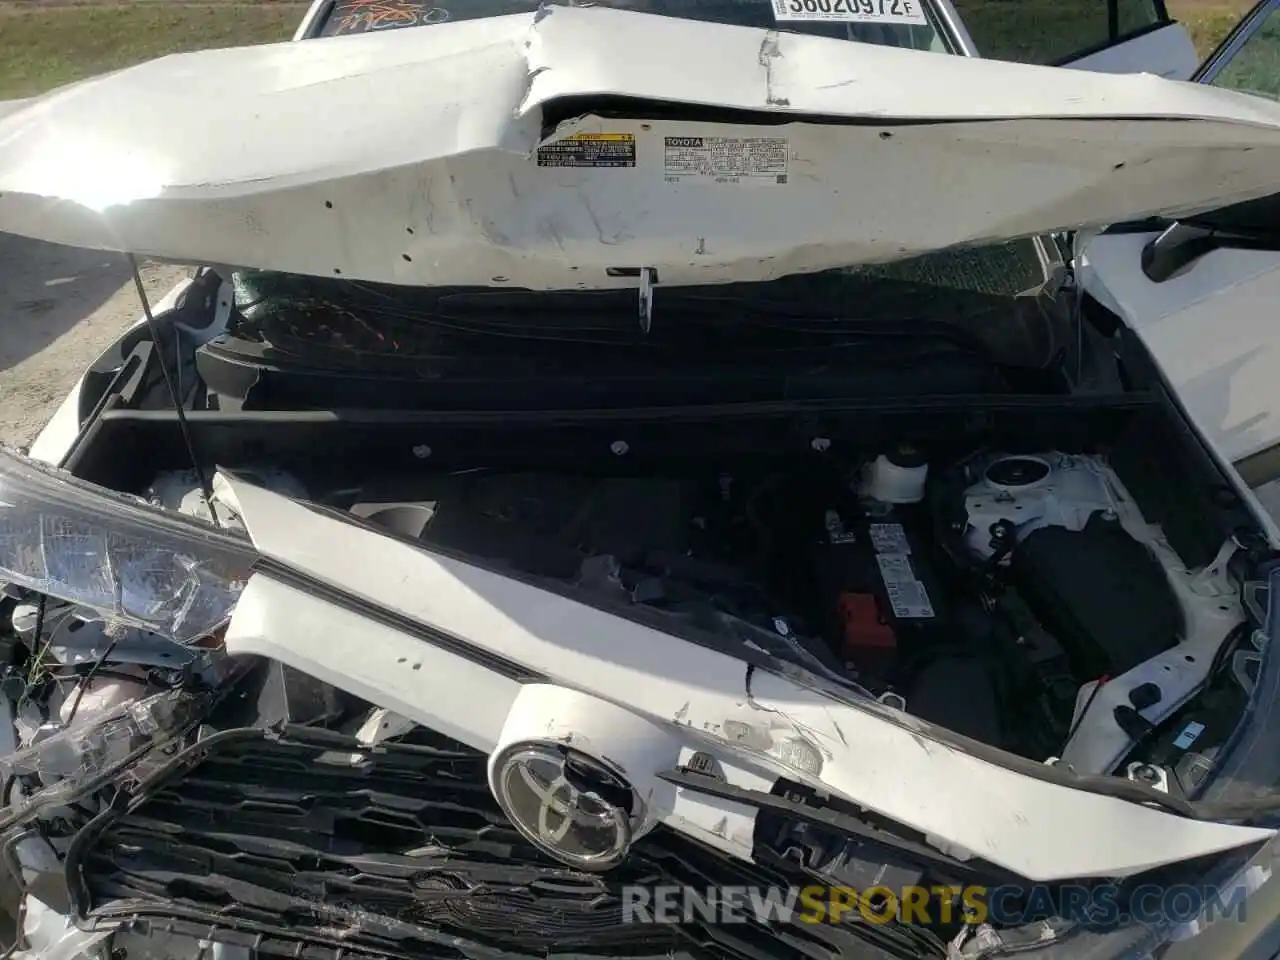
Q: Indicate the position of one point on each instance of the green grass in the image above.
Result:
(1208, 21)
(1255, 67)
(45, 45)
(1046, 31)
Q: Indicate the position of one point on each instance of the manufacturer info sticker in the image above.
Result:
(907, 595)
(590, 150)
(889, 538)
(852, 11)
(725, 159)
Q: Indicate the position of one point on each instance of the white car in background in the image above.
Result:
(1202, 298)
(601, 448)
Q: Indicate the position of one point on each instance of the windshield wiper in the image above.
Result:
(1181, 244)
(556, 319)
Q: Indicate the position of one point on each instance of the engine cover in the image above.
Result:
(543, 524)
(1075, 559)
(1100, 593)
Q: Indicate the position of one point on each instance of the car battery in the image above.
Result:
(881, 602)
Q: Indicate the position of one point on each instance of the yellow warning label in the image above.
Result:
(590, 150)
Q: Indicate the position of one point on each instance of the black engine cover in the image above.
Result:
(1101, 593)
(543, 524)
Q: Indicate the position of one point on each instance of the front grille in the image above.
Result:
(284, 844)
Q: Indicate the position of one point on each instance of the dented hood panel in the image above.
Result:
(708, 152)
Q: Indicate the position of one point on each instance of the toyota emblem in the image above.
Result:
(572, 807)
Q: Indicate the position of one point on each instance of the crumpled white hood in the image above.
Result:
(420, 156)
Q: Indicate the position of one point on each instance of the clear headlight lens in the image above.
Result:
(62, 767)
(124, 560)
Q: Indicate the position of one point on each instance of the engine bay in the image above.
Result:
(1020, 600)
(1040, 602)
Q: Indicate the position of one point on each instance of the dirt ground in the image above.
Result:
(60, 307)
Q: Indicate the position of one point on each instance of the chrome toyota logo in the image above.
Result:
(567, 804)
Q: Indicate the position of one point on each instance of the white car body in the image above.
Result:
(1060, 149)
(1229, 396)
(1210, 327)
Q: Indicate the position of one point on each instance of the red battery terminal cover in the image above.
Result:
(869, 642)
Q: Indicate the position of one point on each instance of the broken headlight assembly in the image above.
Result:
(74, 762)
(117, 558)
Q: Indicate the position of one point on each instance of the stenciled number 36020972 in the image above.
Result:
(870, 8)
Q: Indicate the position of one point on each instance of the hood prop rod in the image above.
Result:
(648, 277)
(205, 486)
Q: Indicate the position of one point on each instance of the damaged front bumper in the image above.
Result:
(548, 726)
(563, 671)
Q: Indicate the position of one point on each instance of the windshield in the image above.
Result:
(948, 317)
(896, 23)
(1247, 62)
(1254, 66)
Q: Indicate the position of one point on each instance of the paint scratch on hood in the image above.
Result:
(770, 51)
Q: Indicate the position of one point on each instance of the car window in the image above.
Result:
(897, 23)
(1049, 32)
(1254, 67)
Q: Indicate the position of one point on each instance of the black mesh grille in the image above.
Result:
(287, 845)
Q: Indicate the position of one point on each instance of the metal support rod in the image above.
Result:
(205, 486)
(647, 275)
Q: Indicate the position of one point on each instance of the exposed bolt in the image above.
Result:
(1147, 774)
(820, 444)
(619, 448)
(422, 451)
